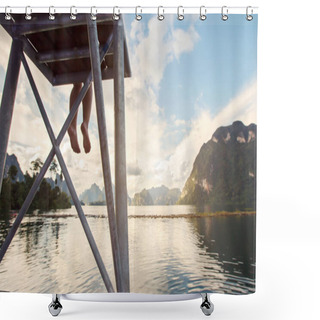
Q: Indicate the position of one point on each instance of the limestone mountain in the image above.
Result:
(93, 194)
(142, 198)
(223, 177)
(157, 196)
(96, 196)
(11, 160)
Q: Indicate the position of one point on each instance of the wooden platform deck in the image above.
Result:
(60, 47)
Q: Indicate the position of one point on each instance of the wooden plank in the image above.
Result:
(76, 77)
(41, 23)
(63, 55)
(68, 65)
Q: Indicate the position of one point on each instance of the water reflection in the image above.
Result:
(231, 239)
(186, 254)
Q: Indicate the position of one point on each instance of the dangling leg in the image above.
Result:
(87, 102)
(72, 131)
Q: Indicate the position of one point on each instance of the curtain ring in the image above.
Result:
(93, 15)
(7, 13)
(224, 13)
(160, 16)
(138, 16)
(180, 13)
(73, 13)
(28, 13)
(116, 16)
(249, 17)
(203, 13)
(52, 11)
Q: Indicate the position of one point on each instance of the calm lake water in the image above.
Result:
(169, 252)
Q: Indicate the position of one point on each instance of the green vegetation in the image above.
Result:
(97, 203)
(13, 192)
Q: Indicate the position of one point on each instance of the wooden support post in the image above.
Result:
(104, 150)
(7, 102)
(64, 55)
(120, 151)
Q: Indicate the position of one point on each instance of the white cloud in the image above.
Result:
(5, 48)
(179, 122)
(160, 46)
(151, 51)
(242, 107)
(183, 41)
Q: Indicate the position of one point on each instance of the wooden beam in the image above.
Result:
(41, 23)
(32, 54)
(63, 55)
(69, 78)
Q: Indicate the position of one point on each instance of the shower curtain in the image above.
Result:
(152, 186)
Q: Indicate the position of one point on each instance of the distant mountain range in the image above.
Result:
(156, 196)
(223, 177)
(59, 183)
(96, 196)
(93, 194)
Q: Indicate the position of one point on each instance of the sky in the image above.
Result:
(188, 78)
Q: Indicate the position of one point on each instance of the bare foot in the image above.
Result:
(74, 139)
(86, 140)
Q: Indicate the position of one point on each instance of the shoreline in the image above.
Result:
(171, 216)
(197, 215)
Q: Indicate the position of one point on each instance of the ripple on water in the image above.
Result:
(51, 254)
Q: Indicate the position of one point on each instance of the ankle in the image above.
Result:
(84, 125)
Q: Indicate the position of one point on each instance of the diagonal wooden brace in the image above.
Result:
(69, 183)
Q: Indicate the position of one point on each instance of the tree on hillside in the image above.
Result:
(36, 166)
(5, 196)
(54, 170)
(12, 173)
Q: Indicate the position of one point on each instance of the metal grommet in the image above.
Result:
(160, 16)
(138, 16)
(203, 13)
(180, 13)
(52, 11)
(224, 13)
(73, 13)
(249, 17)
(116, 16)
(28, 13)
(93, 15)
(7, 13)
